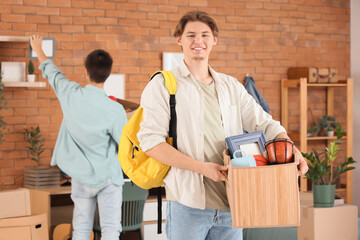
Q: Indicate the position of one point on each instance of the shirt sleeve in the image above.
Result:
(254, 118)
(56, 78)
(154, 128)
(119, 122)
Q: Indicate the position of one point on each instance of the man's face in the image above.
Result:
(196, 41)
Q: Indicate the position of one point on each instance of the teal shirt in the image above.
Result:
(86, 147)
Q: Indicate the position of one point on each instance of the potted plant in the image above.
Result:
(39, 176)
(323, 171)
(31, 75)
(330, 131)
(313, 131)
(3, 104)
(35, 140)
(325, 122)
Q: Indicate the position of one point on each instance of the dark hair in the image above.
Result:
(98, 64)
(196, 16)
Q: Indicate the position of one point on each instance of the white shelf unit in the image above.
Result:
(24, 84)
(13, 39)
(20, 84)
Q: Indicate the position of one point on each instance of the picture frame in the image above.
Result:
(114, 85)
(171, 60)
(13, 71)
(48, 46)
(253, 143)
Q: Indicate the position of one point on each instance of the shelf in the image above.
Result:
(296, 137)
(294, 83)
(327, 84)
(24, 84)
(13, 39)
(301, 137)
(317, 138)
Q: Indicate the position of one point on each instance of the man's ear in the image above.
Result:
(178, 40)
(215, 40)
(87, 75)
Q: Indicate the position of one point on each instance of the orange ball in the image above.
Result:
(260, 160)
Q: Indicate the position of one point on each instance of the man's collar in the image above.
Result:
(184, 71)
(95, 88)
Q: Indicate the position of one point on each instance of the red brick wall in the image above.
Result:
(262, 38)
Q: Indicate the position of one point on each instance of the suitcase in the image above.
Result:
(314, 75)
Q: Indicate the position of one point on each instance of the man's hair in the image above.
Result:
(196, 16)
(98, 64)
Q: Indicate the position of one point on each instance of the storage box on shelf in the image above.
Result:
(264, 196)
(41, 177)
(302, 137)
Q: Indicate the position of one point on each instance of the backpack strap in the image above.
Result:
(171, 86)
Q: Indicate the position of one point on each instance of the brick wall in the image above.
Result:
(262, 38)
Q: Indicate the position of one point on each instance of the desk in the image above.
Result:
(55, 202)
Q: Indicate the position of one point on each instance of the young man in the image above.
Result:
(86, 147)
(210, 106)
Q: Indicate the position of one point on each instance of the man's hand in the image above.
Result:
(214, 171)
(300, 161)
(36, 44)
(298, 158)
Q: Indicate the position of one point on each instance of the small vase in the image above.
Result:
(330, 133)
(324, 195)
(31, 77)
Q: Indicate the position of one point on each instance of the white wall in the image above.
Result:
(355, 74)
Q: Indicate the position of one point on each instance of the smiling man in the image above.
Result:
(210, 106)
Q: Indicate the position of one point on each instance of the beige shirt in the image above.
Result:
(214, 145)
(238, 110)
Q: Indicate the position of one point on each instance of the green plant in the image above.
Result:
(313, 129)
(3, 104)
(35, 140)
(322, 168)
(331, 128)
(31, 67)
(327, 121)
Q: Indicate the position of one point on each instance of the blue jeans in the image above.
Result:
(109, 199)
(183, 222)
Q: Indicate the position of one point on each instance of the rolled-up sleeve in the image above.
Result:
(254, 118)
(156, 114)
(56, 78)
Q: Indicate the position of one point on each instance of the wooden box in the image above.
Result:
(41, 177)
(266, 196)
(314, 75)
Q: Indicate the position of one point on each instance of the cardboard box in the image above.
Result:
(266, 196)
(32, 227)
(14, 203)
(338, 222)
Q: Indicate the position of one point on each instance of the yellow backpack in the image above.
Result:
(143, 170)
